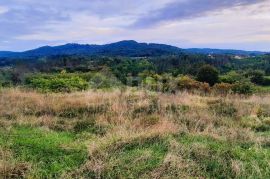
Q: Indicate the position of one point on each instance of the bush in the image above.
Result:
(57, 83)
(187, 83)
(231, 77)
(263, 112)
(208, 74)
(223, 109)
(267, 71)
(162, 83)
(204, 87)
(100, 81)
(223, 88)
(242, 88)
(151, 84)
(257, 77)
(266, 81)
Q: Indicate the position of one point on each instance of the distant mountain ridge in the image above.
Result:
(128, 48)
(224, 51)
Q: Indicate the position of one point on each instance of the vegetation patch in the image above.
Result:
(89, 126)
(57, 83)
(131, 159)
(49, 153)
(220, 159)
(152, 108)
(223, 108)
(263, 111)
(177, 108)
(84, 111)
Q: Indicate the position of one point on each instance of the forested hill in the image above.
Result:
(123, 48)
(224, 52)
(127, 48)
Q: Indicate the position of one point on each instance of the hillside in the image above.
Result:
(128, 48)
(122, 48)
(224, 52)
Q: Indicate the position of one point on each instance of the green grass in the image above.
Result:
(53, 153)
(262, 89)
(135, 159)
(214, 157)
(49, 153)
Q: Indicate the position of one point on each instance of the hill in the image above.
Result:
(224, 52)
(127, 48)
(123, 48)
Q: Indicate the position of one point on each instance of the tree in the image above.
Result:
(267, 71)
(231, 77)
(208, 74)
(257, 77)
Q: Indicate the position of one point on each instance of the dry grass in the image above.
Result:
(137, 117)
(134, 111)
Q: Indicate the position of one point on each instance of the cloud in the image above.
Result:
(25, 17)
(3, 9)
(186, 9)
(27, 24)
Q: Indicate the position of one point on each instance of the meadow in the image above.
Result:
(128, 109)
(133, 133)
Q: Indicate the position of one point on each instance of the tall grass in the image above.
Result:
(133, 134)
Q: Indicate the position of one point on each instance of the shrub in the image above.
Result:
(208, 74)
(57, 83)
(266, 81)
(223, 109)
(267, 71)
(242, 88)
(102, 81)
(263, 112)
(205, 87)
(151, 84)
(223, 88)
(177, 109)
(187, 83)
(231, 77)
(152, 108)
(5, 78)
(167, 82)
(257, 77)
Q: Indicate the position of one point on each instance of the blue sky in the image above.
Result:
(234, 24)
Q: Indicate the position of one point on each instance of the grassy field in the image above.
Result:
(133, 134)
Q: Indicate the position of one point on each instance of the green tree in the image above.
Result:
(267, 71)
(232, 77)
(208, 74)
(257, 77)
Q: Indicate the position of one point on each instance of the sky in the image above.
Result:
(226, 24)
